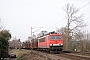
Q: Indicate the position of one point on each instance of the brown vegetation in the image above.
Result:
(26, 55)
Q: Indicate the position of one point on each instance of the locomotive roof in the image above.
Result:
(48, 35)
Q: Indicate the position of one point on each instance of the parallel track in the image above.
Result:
(71, 55)
(75, 56)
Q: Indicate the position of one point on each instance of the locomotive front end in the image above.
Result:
(56, 42)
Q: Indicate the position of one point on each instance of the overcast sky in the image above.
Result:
(19, 16)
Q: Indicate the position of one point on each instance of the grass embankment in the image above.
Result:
(26, 55)
(20, 53)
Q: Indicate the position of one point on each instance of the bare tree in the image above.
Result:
(86, 42)
(74, 23)
(15, 43)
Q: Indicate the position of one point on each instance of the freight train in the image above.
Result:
(48, 42)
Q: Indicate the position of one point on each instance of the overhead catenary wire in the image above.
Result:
(64, 18)
(84, 5)
(37, 30)
(55, 24)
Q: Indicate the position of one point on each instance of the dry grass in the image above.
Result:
(20, 52)
(26, 55)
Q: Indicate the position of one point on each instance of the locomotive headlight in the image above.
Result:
(61, 44)
(50, 44)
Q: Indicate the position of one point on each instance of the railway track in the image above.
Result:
(66, 56)
(63, 55)
(79, 55)
(75, 56)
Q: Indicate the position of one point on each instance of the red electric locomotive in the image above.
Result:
(51, 42)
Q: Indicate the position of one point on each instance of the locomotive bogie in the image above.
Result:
(56, 48)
